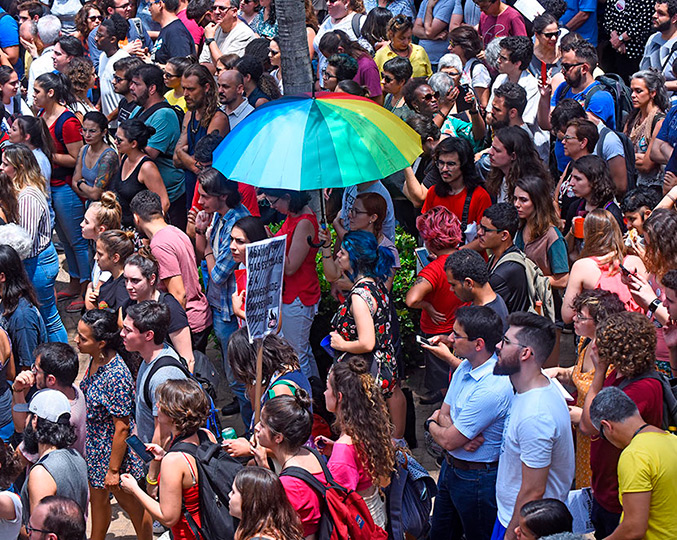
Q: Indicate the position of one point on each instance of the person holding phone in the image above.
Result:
(108, 387)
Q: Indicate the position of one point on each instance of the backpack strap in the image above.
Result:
(466, 208)
(305, 476)
(163, 361)
(355, 25)
(667, 58)
(599, 147)
(146, 114)
(594, 88)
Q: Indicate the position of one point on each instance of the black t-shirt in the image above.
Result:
(113, 293)
(125, 109)
(177, 315)
(577, 208)
(509, 280)
(174, 40)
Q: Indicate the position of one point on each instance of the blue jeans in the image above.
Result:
(70, 211)
(223, 330)
(296, 322)
(465, 505)
(42, 271)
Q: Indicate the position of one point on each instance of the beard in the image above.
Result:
(662, 27)
(30, 439)
(196, 105)
(507, 365)
(143, 98)
(573, 81)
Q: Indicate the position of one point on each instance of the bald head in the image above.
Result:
(230, 87)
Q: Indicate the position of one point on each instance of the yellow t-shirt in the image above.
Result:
(649, 463)
(173, 101)
(418, 58)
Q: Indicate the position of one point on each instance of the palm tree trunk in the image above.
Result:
(297, 74)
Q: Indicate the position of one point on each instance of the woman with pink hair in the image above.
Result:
(440, 231)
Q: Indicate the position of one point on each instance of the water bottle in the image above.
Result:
(229, 433)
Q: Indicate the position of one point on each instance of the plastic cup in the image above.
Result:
(578, 227)
(326, 345)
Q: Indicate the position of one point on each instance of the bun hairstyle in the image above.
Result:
(367, 258)
(118, 242)
(362, 414)
(144, 260)
(108, 211)
(136, 130)
(290, 416)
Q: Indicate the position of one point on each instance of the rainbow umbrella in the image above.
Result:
(328, 141)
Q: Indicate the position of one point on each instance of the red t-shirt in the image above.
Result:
(247, 192)
(508, 23)
(305, 501)
(70, 133)
(304, 283)
(648, 396)
(479, 202)
(441, 297)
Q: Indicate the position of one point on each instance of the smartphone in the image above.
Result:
(139, 448)
(423, 341)
(625, 271)
(461, 103)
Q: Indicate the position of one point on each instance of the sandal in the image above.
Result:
(63, 295)
(76, 306)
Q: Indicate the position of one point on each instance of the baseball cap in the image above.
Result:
(48, 404)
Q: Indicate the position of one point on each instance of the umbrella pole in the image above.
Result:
(323, 220)
(259, 377)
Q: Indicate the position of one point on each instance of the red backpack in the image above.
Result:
(345, 515)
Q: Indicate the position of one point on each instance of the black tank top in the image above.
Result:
(127, 188)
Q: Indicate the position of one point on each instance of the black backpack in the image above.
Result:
(628, 151)
(205, 375)
(216, 472)
(669, 395)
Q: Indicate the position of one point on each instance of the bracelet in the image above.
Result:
(327, 257)
(208, 254)
(201, 232)
(151, 482)
(473, 112)
(78, 184)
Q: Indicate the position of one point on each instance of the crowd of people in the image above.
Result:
(543, 205)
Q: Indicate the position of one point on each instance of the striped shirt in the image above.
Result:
(34, 215)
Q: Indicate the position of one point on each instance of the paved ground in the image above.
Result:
(121, 527)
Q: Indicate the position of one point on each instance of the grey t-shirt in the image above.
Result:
(145, 416)
(69, 471)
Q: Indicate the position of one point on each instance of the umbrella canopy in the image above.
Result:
(328, 141)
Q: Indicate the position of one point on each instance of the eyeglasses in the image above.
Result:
(326, 75)
(430, 97)
(550, 35)
(168, 75)
(30, 530)
(95, 18)
(506, 341)
(567, 67)
(354, 211)
(124, 6)
(84, 131)
(271, 52)
(222, 8)
(446, 164)
(387, 78)
(459, 336)
(118, 79)
(453, 73)
(201, 166)
(273, 203)
(568, 137)
(118, 139)
(601, 434)
(482, 229)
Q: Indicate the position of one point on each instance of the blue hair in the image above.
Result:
(367, 258)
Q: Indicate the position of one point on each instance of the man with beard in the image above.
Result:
(659, 52)
(60, 470)
(507, 108)
(55, 368)
(469, 426)
(231, 96)
(147, 86)
(537, 459)
(203, 117)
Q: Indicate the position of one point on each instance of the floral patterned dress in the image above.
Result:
(109, 393)
(384, 366)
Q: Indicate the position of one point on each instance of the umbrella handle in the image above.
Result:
(313, 244)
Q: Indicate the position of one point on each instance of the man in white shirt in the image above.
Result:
(230, 87)
(225, 35)
(49, 30)
(537, 454)
(109, 33)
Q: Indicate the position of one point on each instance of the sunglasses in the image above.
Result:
(387, 78)
(95, 18)
(567, 67)
(222, 8)
(167, 75)
(550, 35)
(430, 97)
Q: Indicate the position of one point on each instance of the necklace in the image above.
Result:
(640, 428)
(290, 457)
(192, 123)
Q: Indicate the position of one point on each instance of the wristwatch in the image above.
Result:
(210, 40)
(653, 306)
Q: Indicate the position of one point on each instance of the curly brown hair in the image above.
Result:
(10, 466)
(82, 18)
(600, 303)
(661, 241)
(185, 403)
(628, 341)
(79, 71)
(362, 414)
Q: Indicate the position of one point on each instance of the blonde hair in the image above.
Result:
(108, 211)
(28, 172)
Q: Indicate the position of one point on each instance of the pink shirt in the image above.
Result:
(175, 256)
(368, 75)
(305, 501)
(346, 468)
(195, 29)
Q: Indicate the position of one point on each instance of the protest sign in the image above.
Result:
(265, 272)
